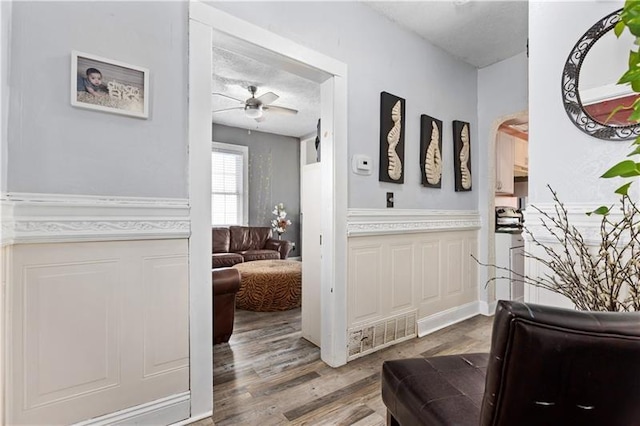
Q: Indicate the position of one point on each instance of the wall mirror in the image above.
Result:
(589, 89)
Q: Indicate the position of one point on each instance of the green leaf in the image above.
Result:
(620, 169)
(635, 115)
(619, 28)
(635, 151)
(602, 210)
(623, 189)
(631, 75)
(634, 57)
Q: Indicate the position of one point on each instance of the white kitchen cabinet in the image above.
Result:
(504, 163)
(521, 155)
(510, 255)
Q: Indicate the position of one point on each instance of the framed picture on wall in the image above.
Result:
(431, 151)
(391, 138)
(110, 86)
(462, 156)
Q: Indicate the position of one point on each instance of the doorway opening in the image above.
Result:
(508, 183)
(206, 25)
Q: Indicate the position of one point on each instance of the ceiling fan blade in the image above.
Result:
(280, 110)
(228, 109)
(260, 119)
(229, 97)
(267, 98)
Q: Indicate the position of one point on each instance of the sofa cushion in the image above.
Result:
(221, 239)
(248, 238)
(221, 260)
(250, 255)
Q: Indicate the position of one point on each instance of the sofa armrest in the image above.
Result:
(281, 246)
(225, 280)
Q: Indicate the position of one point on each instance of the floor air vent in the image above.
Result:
(371, 337)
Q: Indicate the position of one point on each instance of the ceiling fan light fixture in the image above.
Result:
(253, 111)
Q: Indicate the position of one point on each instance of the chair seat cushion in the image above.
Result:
(443, 390)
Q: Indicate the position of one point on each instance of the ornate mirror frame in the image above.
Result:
(571, 95)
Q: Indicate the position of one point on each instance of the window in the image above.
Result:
(229, 184)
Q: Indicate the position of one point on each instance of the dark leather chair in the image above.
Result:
(226, 283)
(547, 366)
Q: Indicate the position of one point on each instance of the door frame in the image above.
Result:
(205, 21)
(486, 274)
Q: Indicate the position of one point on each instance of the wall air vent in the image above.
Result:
(371, 337)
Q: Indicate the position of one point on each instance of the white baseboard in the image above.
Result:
(488, 309)
(193, 419)
(446, 318)
(159, 412)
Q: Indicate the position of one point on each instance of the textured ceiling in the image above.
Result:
(233, 73)
(480, 32)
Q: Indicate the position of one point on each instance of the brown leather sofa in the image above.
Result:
(226, 283)
(237, 244)
(547, 366)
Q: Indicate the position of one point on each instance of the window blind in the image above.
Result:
(226, 187)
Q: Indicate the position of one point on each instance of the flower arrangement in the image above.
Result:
(280, 223)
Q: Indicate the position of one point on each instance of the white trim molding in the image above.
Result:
(446, 318)
(174, 408)
(589, 226)
(48, 218)
(398, 221)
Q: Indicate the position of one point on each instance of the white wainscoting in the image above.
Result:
(97, 291)
(411, 261)
(588, 226)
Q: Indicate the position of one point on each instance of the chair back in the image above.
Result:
(554, 366)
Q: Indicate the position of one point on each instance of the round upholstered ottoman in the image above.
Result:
(269, 285)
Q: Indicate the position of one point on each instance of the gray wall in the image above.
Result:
(56, 148)
(274, 176)
(383, 57)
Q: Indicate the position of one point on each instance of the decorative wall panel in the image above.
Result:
(365, 275)
(396, 275)
(431, 151)
(391, 138)
(462, 155)
(429, 262)
(95, 327)
(401, 257)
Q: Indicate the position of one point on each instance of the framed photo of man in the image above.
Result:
(110, 86)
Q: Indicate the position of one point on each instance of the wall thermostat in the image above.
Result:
(361, 164)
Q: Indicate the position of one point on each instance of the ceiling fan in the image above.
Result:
(255, 107)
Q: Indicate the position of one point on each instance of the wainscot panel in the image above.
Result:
(410, 272)
(98, 325)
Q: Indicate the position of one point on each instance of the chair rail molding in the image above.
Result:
(397, 221)
(48, 218)
(588, 226)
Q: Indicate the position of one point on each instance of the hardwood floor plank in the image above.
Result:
(269, 375)
(339, 395)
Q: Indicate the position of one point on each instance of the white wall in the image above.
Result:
(502, 91)
(55, 148)
(382, 57)
(559, 153)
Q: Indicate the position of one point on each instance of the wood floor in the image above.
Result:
(269, 375)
